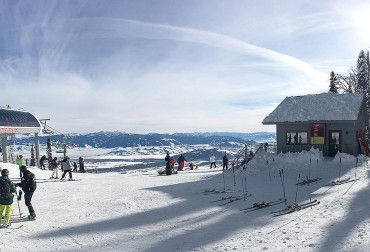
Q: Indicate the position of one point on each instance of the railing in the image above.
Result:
(243, 156)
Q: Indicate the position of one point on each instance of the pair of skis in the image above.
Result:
(232, 199)
(295, 208)
(308, 181)
(257, 206)
(214, 191)
(341, 182)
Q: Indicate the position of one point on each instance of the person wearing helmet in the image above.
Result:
(7, 189)
(28, 184)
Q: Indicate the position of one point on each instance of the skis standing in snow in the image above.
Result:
(7, 189)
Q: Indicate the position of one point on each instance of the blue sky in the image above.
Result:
(171, 65)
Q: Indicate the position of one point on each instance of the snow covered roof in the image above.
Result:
(317, 107)
(18, 122)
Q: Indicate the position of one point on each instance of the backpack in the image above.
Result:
(33, 184)
(4, 189)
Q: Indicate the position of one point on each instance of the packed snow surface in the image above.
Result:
(140, 210)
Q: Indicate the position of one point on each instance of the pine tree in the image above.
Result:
(368, 84)
(48, 151)
(33, 161)
(333, 83)
(362, 73)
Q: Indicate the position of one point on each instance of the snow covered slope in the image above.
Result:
(142, 211)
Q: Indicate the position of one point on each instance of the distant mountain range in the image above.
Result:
(115, 139)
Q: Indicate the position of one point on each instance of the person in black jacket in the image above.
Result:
(28, 185)
(6, 196)
(225, 161)
(42, 162)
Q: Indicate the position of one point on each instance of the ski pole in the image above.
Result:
(296, 192)
(234, 174)
(273, 166)
(243, 186)
(18, 199)
(317, 168)
(267, 162)
(282, 183)
(309, 172)
(223, 176)
(245, 183)
(356, 168)
(308, 187)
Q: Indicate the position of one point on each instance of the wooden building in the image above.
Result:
(327, 121)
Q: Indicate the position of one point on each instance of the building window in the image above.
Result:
(296, 137)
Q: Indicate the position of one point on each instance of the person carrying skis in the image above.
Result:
(181, 160)
(54, 166)
(225, 162)
(67, 167)
(7, 188)
(42, 162)
(212, 159)
(28, 185)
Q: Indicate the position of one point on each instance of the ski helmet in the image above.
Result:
(5, 172)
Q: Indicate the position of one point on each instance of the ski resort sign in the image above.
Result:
(317, 133)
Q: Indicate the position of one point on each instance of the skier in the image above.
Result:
(20, 161)
(82, 164)
(181, 160)
(212, 159)
(42, 162)
(168, 164)
(66, 166)
(54, 166)
(225, 161)
(28, 185)
(6, 196)
(74, 167)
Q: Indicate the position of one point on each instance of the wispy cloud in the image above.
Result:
(89, 69)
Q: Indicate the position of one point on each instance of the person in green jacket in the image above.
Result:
(20, 162)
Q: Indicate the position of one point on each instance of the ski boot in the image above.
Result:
(31, 216)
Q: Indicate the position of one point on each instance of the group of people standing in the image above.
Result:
(28, 185)
(8, 191)
(225, 161)
(170, 163)
(66, 166)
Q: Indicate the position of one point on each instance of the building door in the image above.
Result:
(334, 142)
